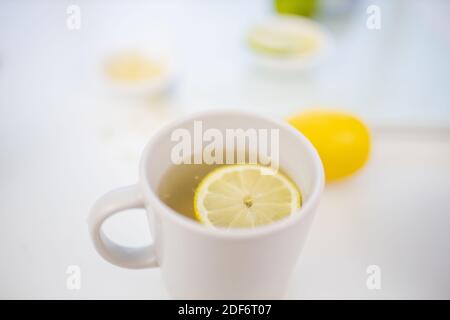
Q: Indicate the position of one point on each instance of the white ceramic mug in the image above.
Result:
(201, 263)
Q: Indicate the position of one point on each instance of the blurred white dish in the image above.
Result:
(137, 73)
(289, 42)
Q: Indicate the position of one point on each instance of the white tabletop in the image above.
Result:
(65, 141)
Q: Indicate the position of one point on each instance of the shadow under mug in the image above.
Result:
(197, 262)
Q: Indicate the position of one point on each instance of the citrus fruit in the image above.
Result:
(245, 195)
(301, 7)
(132, 67)
(283, 40)
(341, 139)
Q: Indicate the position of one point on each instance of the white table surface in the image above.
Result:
(64, 141)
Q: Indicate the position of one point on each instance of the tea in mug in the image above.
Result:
(230, 196)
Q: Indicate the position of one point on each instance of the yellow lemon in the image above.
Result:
(245, 196)
(341, 139)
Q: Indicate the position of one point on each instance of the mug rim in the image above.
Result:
(232, 233)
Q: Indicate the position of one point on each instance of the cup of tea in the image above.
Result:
(230, 197)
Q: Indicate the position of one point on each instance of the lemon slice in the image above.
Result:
(129, 67)
(245, 195)
(282, 41)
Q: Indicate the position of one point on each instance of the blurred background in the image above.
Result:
(73, 122)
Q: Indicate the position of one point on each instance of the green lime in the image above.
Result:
(305, 8)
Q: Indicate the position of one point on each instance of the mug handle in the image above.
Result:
(108, 205)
